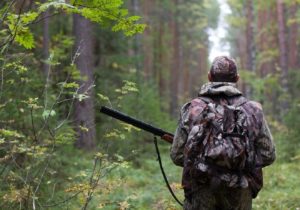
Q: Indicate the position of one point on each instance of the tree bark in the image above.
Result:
(147, 44)
(174, 73)
(250, 47)
(292, 41)
(46, 43)
(161, 58)
(250, 36)
(283, 61)
(185, 75)
(268, 39)
(134, 49)
(282, 39)
(84, 113)
(260, 38)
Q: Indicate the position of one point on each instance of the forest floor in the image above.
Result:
(141, 185)
(281, 186)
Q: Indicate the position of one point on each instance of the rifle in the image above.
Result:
(137, 123)
(149, 128)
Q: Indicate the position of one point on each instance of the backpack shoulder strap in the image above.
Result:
(207, 100)
(240, 101)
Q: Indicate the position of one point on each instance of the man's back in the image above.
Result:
(217, 190)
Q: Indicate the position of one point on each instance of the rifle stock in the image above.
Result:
(137, 123)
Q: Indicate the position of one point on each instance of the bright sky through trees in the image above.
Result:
(216, 36)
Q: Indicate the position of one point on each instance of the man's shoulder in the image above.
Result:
(192, 108)
(199, 101)
(255, 104)
(254, 109)
(195, 102)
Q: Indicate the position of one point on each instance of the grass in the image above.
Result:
(141, 185)
(281, 187)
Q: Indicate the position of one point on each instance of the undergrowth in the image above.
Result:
(140, 184)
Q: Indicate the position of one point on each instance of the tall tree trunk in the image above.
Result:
(46, 42)
(282, 40)
(134, 48)
(293, 55)
(156, 36)
(84, 113)
(272, 39)
(186, 77)
(161, 58)
(250, 47)
(147, 43)
(250, 36)
(174, 73)
(260, 39)
(283, 61)
(268, 39)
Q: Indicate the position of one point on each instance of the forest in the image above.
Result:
(61, 60)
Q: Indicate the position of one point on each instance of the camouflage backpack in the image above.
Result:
(219, 146)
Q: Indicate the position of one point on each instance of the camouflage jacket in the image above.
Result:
(264, 146)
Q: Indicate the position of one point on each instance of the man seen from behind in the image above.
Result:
(222, 142)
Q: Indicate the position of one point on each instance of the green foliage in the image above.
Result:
(36, 132)
(25, 38)
(289, 143)
(18, 26)
(140, 102)
(99, 11)
(284, 125)
(127, 88)
(36, 146)
(267, 55)
(194, 17)
(261, 87)
(143, 187)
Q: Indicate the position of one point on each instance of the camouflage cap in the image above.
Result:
(223, 69)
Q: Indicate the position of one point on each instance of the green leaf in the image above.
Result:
(103, 97)
(10, 133)
(58, 4)
(70, 85)
(25, 39)
(81, 97)
(48, 113)
(29, 17)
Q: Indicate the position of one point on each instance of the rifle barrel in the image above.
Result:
(135, 122)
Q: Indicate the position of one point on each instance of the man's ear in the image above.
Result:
(237, 78)
(209, 77)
